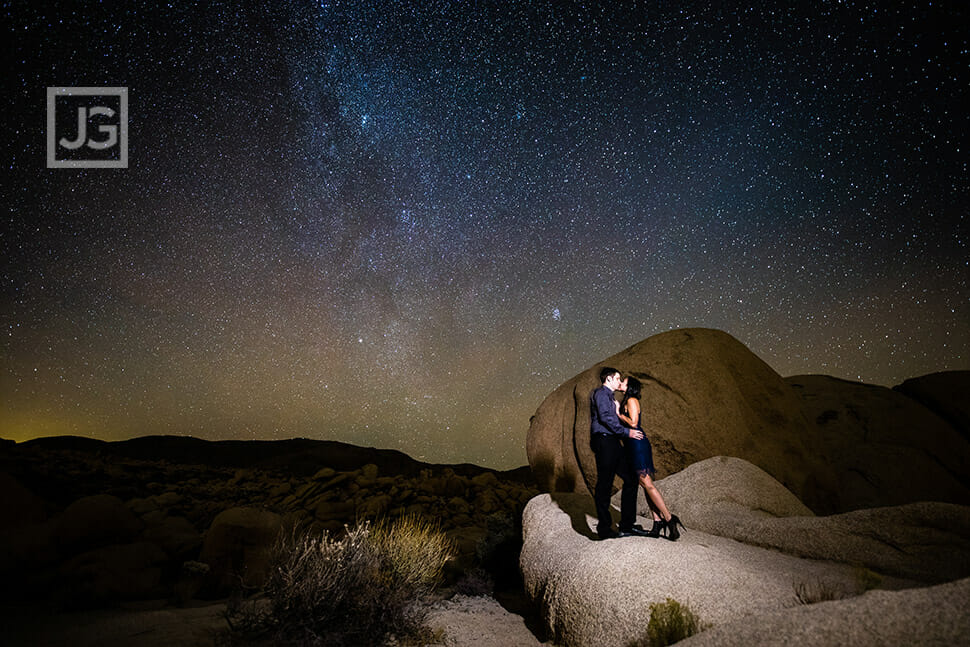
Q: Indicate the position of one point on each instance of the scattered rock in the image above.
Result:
(237, 548)
(176, 536)
(171, 503)
(335, 510)
(458, 506)
(128, 571)
(191, 578)
(95, 521)
(18, 505)
(369, 472)
(22, 550)
(373, 507)
(167, 499)
(142, 507)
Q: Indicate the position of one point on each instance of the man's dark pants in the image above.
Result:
(611, 460)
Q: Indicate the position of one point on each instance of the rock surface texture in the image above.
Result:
(885, 447)
(751, 554)
(729, 497)
(929, 616)
(837, 445)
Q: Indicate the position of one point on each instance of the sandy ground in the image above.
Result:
(135, 626)
(481, 622)
(465, 621)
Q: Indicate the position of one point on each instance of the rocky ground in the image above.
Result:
(807, 482)
(144, 539)
(755, 565)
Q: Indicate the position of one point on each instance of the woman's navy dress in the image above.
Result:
(641, 454)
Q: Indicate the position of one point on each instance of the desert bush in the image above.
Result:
(412, 552)
(670, 622)
(360, 589)
(867, 579)
(189, 581)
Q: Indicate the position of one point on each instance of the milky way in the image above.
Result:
(402, 225)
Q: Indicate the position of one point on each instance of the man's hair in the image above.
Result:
(606, 372)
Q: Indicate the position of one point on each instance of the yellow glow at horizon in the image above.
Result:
(22, 427)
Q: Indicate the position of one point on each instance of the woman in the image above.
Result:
(641, 454)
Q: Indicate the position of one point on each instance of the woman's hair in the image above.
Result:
(633, 388)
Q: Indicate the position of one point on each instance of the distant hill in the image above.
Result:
(296, 456)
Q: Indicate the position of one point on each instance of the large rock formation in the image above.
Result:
(885, 447)
(931, 616)
(945, 393)
(837, 445)
(729, 497)
(751, 562)
(704, 394)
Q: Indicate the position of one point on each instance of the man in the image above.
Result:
(605, 439)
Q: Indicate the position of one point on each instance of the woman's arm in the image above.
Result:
(632, 406)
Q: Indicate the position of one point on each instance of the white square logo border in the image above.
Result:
(53, 93)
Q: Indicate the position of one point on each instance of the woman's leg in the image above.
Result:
(653, 497)
(653, 506)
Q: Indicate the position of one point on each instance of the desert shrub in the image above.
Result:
(189, 581)
(360, 589)
(412, 552)
(670, 622)
(867, 579)
(818, 590)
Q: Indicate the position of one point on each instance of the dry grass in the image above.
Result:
(412, 552)
(867, 579)
(818, 590)
(670, 622)
(360, 589)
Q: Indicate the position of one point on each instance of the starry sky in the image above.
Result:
(402, 225)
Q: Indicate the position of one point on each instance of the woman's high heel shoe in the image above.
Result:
(671, 524)
(658, 527)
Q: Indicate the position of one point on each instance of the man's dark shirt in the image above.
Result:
(602, 414)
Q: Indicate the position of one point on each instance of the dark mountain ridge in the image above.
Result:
(295, 456)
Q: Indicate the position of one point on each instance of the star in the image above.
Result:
(439, 179)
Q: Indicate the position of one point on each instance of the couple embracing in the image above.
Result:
(621, 448)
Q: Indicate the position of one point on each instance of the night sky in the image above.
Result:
(402, 225)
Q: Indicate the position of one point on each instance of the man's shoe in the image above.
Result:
(635, 531)
(608, 534)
